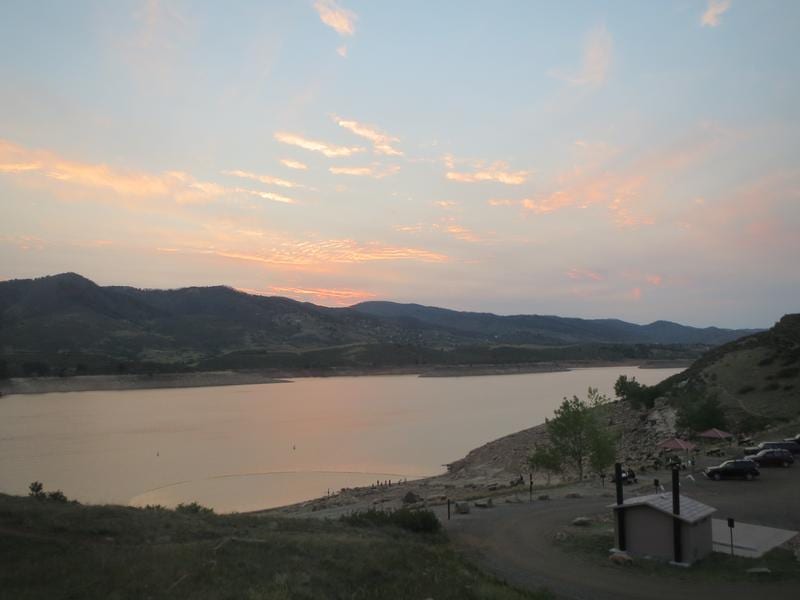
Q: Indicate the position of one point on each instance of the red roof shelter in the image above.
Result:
(677, 444)
(715, 434)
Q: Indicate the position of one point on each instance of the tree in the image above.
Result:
(36, 490)
(698, 415)
(602, 451)
(630, 390)
(574, 428)
(544, 458)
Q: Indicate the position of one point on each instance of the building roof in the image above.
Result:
(678, 444)
(715, 433)
(691, 510)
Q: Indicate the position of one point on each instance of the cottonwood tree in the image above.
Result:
(575, 434)
(544, 459)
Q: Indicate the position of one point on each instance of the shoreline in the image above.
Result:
(99, 383)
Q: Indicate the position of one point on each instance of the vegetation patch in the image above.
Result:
(68, 550)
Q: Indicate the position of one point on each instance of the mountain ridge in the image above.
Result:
(69, 319)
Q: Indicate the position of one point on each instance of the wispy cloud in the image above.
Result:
(497, 171)
(342, 51)
(318, 253)
(267, 196)
(268, 179)
(376, 172)
(445, 204)
(462, 233)
(714, 10)
(597, 56)
(329, 150)
(338, 297)
(382, 142)
(584, 274)
(178, 186)
(341, 20)
(294, 164)
(655, 280)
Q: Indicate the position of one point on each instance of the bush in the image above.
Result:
(57, 496)
(193, 508)
(418, 521)
(788, 372)
(746, 389)
(701, 414)
(36, 490)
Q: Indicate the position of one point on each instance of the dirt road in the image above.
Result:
(515, 542)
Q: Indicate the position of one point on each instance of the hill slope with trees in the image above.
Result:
(66, 324)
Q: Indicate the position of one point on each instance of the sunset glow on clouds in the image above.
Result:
(641, 164)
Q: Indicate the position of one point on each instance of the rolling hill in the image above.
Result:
(67, 324)
(755, 378)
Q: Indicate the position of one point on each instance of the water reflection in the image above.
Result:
(256, 446)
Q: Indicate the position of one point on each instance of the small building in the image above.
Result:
(650, 527)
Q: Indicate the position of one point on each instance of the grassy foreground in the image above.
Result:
(66, 550)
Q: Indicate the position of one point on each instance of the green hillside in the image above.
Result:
(51, 549)
(756, 379)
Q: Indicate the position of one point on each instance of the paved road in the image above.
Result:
(514, 542)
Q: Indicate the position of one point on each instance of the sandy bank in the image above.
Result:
(90, 383)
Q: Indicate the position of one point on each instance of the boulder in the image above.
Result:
(581, 521)
(620, 558)
(411, 498)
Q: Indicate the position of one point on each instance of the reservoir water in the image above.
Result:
(239, 448)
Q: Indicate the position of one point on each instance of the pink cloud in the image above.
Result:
(654, 279)
(341, 20)
(498, 172)
(714, 10)
(584, 274)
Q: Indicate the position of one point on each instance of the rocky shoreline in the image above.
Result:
(498, 469)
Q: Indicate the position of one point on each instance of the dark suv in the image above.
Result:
(733, 469)
(792, 447)
(775, 457)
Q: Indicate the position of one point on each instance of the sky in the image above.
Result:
(635, 160)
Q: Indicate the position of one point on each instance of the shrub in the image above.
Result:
(788, 372)
(36, 490)
(57, 496)
(193, 508)
(700, 414)
(746, 389)
(418, 521)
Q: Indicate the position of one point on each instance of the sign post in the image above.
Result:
(731, 525)
(530, 487)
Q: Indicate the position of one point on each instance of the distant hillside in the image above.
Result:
(66, 324)
(539, 329)
(755, 378)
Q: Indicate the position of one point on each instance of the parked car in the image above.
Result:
(775, 457)
(795, 439)
(792, 447)
(733, 469)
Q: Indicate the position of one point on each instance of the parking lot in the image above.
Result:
(772, 499)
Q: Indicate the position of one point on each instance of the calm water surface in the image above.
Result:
(246, 447)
